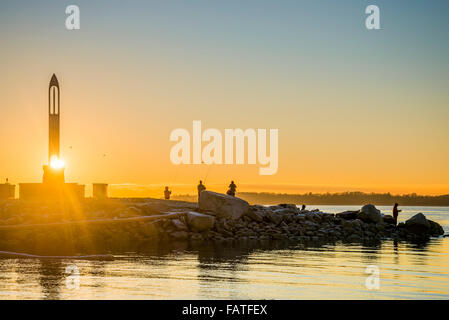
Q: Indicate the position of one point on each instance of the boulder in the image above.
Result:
(435, 228)
(388, 218)
(223, 205)
(312, 216)
(200, 222)
(261, 213)
(222, 227)
(369, 213)
(347, 215)
(197, 237)
(179, 225)
(354, 238)
(418, 224)
(289, 206)
(254, 215)
(179, 235)
(401, 225)
(282, 211)
(276, 218)
(150, 230)
(352, 226)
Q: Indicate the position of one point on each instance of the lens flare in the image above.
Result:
(56, 163)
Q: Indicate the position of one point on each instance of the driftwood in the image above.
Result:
(17, 255)
(91, 222)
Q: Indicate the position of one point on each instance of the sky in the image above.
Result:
(356, 109)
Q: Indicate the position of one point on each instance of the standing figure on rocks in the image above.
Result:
(232, 189)
(201, 188)
(167, 193)
(396, 213)
(303, 207)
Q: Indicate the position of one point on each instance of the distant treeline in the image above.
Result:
(344, 198)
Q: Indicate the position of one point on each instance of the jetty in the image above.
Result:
(93, 227)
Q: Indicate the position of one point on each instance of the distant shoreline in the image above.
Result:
(336, 199)
(317, 199)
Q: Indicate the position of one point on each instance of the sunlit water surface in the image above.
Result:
(251, 271)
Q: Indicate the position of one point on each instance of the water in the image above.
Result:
(251, 271)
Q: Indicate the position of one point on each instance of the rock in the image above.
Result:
(388, 218)
(258, 207)
(369, 213)
(261, 213)
(418, 224)
(382, 226)
(274, 217)
(279, 236)
(327, 216)
(354, 238)
(289, 206)
(179, 225)
(352, 226)
(311, 225)
(311, 216)
(219, 226)
(435, 229)
(254, 215)
(347, 215)
(282, 211)
(226, 233)
(132, 211)
(200, 222)
(196, 237)
(150, 230)
(223, 205)
(179, 235)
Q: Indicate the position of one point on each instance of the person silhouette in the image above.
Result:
(167, 193)
(201, 187)
(303, 207)
(232, 189)
(396, 213)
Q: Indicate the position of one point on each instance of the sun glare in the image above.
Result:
(56, 163)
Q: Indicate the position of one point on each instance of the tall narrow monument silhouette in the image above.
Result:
(54, 171)
(53, 185)
(54, 109)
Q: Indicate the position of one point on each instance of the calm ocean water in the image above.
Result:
(250, 271)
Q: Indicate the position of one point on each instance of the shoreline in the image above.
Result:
(119, 225)
(139, 199)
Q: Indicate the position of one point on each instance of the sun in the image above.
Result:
(56, 163)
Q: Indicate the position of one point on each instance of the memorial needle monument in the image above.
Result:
(53, 184)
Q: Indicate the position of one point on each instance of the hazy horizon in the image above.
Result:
(156, 191)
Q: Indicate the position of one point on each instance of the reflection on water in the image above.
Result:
(251, 270)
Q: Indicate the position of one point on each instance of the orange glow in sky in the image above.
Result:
(366, 112)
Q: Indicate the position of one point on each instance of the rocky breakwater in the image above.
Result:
(134, 224)
(226, 218)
